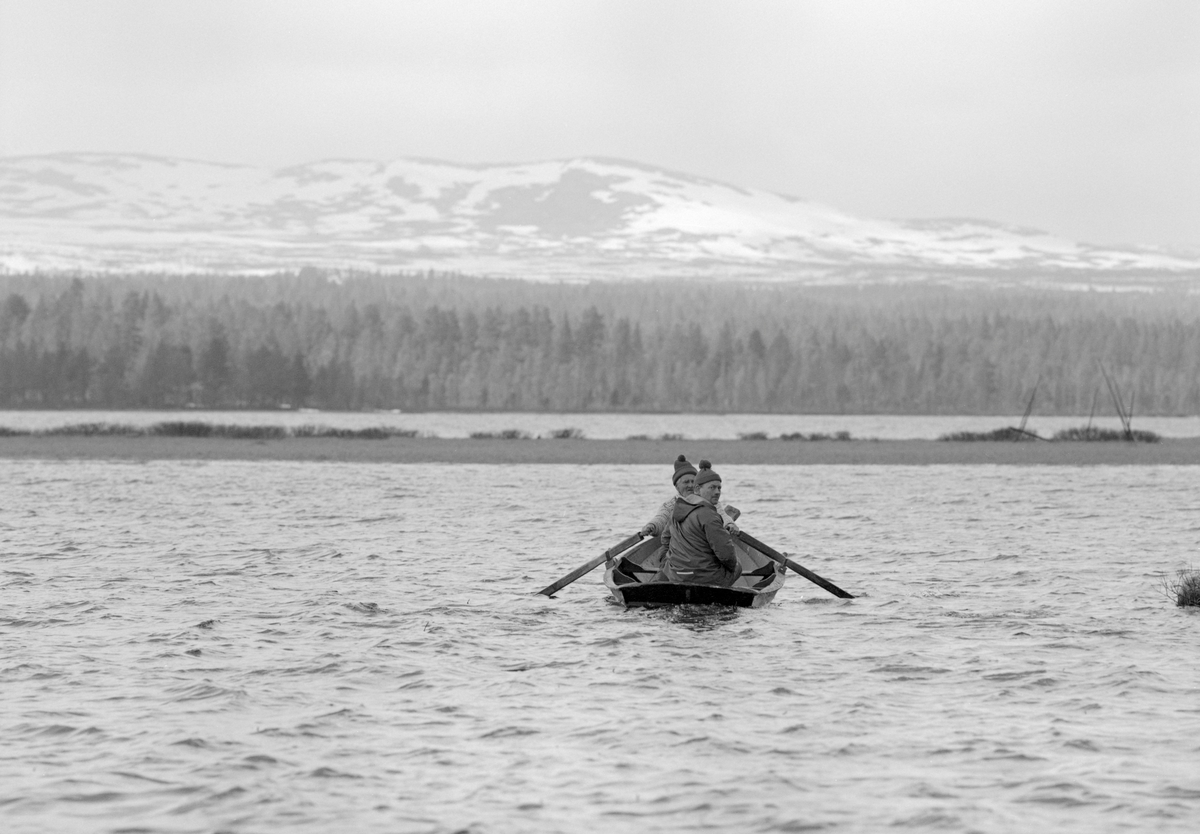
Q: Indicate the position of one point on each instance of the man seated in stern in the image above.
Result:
(684, 480)
(699, 550)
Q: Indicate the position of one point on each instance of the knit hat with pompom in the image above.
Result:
(707, 473)
(682, 467)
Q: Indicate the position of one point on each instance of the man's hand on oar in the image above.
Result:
(612, 553)
(803, 571)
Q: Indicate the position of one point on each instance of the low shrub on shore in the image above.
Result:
(506, 434)
(1183, 588)
(376, 433)
(1090, 433)
(753, 435)
(1079, 433)
(235, 432)
(814, 436)
(193, 428)
(94, 430)
(311, 431)
(250, 432)
(196, 428)
(1008, 433)
(372, 433)
(566, 434)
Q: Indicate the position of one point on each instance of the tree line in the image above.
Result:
(444, 342)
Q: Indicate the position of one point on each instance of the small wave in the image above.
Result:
(1177, 792)
(34, 730)
(1002, 677)
(27, 672)
(140, 777)
(1058, 799)
(1009, 755)
(364, 607)
(931, 819)
(102, 796)
(195, 805)
(205, 692)
(260, 758)
(510, 732)
(900, 668)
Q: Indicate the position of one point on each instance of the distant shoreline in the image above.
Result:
(1170, 451)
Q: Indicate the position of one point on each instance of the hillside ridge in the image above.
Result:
(589, 218)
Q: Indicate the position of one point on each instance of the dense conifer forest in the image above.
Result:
(438, 342)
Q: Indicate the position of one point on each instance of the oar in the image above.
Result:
(611, 553)
(803, 571)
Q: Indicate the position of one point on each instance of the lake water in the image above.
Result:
(303, 647)
(608, 426)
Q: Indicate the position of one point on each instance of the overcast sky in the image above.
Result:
(1081, 118)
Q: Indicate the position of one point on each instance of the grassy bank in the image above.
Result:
(407, 449)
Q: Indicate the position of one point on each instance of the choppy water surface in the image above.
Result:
(322, 647)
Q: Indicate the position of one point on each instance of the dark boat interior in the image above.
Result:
(634, 575)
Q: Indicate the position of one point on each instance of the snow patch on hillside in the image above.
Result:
(560, 219)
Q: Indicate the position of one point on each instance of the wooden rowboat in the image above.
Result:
(630, 579)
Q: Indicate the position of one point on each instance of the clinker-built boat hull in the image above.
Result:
(630, 580)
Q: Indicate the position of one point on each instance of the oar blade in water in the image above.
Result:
(590, 565)
(800, 569)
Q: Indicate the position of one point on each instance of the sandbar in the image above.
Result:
(1171, 451)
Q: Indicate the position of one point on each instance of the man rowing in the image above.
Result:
(698, 550)
(684, 481)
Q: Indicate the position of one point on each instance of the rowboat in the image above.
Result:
(632, 565)
(630, 580)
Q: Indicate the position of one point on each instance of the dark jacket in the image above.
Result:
(699, 551)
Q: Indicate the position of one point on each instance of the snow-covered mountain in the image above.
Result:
(568, 219)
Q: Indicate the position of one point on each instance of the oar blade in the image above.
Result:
(590, 565)
(797, 568)
(554, 587)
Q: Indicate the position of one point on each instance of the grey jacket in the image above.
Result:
(699, 550)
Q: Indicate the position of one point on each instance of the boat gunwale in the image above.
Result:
(755, 597)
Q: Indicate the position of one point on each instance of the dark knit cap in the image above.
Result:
(707, 473)
(682, 467)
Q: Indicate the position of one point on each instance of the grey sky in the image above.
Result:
(1082, 118)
